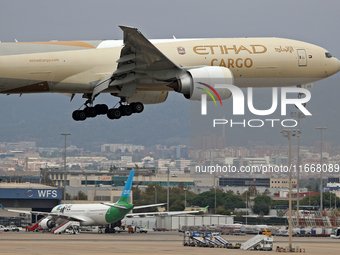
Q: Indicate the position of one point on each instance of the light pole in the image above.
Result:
(155, 194)
(321, 192)
(185, 198)
(167, 192)
(289, 133)
(65, 134)
(215, 198)
(215, 191)
(298, 116)
(246, 207)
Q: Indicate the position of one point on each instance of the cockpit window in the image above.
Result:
(328, 55)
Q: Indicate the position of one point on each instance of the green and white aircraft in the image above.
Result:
(94, 214)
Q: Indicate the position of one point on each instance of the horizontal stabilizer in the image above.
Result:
(115, 205)
(146, 206)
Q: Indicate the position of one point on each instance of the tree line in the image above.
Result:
(226, 201)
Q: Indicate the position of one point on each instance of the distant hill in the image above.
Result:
(43, 117)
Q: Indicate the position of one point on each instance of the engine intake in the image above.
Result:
(47, 224)
(191, 83)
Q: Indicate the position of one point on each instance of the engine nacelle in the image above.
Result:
(47, 224)
(149, 97)
(190, 83)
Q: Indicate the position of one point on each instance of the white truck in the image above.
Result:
(335, 233)
(3, 228)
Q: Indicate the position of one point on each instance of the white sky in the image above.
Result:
(313, 21)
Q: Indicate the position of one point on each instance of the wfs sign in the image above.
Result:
(42, 193)
(31, 193)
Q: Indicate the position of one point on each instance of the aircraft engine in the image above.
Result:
(192, 83)
(46, 224)
(149, 97)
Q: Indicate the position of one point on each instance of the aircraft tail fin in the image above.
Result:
(125, 197)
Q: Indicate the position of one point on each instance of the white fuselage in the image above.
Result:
(92, 214)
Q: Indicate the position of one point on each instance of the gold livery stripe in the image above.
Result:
(33, 88)
(65, 43)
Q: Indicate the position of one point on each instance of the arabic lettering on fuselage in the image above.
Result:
(284, 49)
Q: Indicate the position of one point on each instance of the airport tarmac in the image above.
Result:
(150, 243)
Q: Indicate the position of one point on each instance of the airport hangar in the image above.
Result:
(26, 196)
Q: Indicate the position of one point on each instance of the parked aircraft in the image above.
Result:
(101, 214)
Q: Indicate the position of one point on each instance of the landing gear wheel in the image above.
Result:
(101, 108)
(137, 107)
(114, 114)
(74, 115)
(90, 112)
(79, 115)
(126, 110)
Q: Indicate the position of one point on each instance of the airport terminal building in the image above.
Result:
(113, 179)
(27, 197)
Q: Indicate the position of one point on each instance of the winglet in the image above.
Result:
(2, 207)
(205, 208)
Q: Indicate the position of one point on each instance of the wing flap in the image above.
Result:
(129, 57)
(127, 79)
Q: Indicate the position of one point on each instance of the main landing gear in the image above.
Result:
(113, 113)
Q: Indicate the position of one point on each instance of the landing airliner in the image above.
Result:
(139, 71)
(95, 214)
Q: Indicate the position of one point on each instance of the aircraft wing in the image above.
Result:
(48, 214)
(144, 53)
(164, 213)
(138, 58)
(27, 212)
